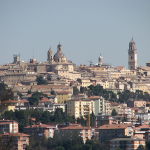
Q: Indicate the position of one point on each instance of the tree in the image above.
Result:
(59, 148)
(83, 89)
(141, 147)
(92, 119)
(5, 92)
(35, 98)
(114, 112)
(148, 145)
(40, 80)
(53, 92)
(75, 91)
(59, 115)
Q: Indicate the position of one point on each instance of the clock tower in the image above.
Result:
(132, 55)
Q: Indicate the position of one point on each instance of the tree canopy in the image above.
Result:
(5, 92)
(41, 80)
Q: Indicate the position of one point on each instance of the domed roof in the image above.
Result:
(59, 54)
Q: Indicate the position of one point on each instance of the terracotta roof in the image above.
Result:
(144, 126)
(14, 101)
(40, 126)
(94, 97)
(120, 67)
(115, 126)
(44, 100)
(74, 127)
(114, 104)
(128, 139)
(14, 134)
(7, 121)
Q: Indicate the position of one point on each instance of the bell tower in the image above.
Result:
(132, 55)
(50, 56)
(100, 60)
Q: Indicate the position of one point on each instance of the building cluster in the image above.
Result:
(128, 129)
(10, 136)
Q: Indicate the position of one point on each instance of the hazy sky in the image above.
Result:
(85, 28)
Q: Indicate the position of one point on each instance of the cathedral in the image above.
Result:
(58, 57)
(59, 64)
(132, 55)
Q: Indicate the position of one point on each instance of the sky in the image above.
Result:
(85, 28)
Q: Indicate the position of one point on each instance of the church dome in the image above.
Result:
(59, 56)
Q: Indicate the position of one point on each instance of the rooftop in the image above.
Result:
(115, 126)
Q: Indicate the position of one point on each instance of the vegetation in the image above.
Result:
(41, 80)
(59, 143)
(23, 117)
(121, 97)
(114, 112)
(75, 91)
(35, 98)
(5, 92)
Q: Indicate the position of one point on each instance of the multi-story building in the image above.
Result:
(73, 130)
(126, 143)
(108, 132)
(14, 141)
(102, 106)
(8, 126)
(80, 107)
(41, 130)
(136, 103)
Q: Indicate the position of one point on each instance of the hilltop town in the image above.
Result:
(98, 105)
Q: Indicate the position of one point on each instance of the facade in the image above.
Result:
(126, 143)
(83, 106)
(136, 103)
(8, 126)
(132, 55)
(80, 108)
(41, 130)
(102, 106)
(76, 130)
(108, 132)
(14, 141)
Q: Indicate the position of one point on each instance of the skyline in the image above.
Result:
(85, 29)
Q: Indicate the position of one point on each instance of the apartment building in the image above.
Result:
(126, 143)
(41, 130)
(76, 130)
(8, 126)
(108, 132)
(80, 107)
(14, 141)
